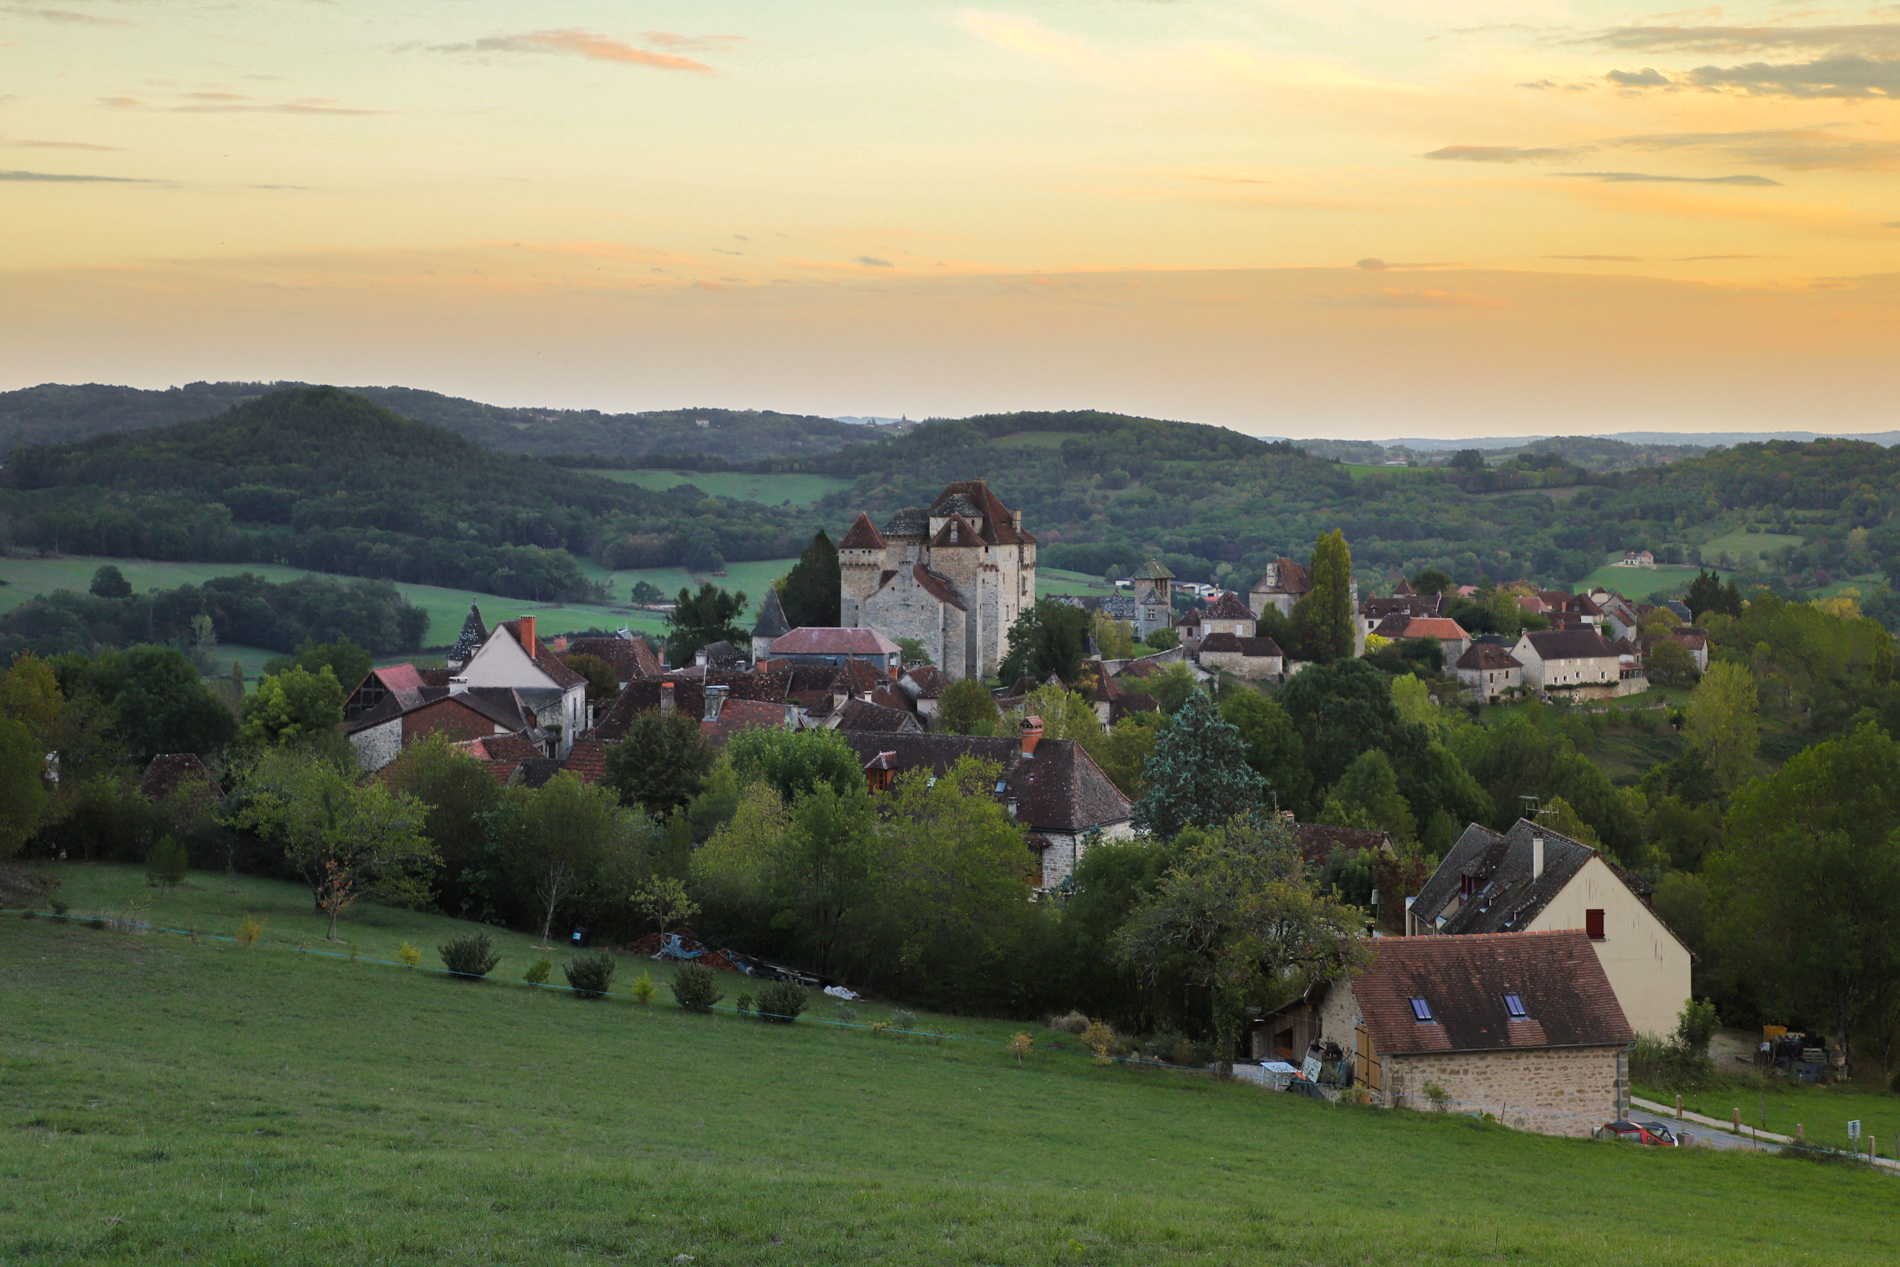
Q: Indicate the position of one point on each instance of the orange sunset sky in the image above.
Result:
(1387, 218)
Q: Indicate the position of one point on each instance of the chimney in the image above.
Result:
(715, 700)
(791, 715)
(559, 645)
(1537, 855)
(1032, 735)
(527, 637)
(666, 699)
(699, 657)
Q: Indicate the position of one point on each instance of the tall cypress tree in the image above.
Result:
(1323, 618)
(809, 593)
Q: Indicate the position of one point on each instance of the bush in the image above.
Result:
(1695, 1027)
(1098, 1038)
(1020, 1046)
(590, 975)
(643, 988)
(745, 1003)
(469, 956)
(165, 864)
(843, 1013)
(59, 905)
(781, 1002)
(1073, 1023)
(1667, 1065)
(409, 955)
(537, 973)
(695, 987)
(903, 1020)
(250, 928)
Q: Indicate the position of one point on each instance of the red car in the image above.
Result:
(1653, 1133)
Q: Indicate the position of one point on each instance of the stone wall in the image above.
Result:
(1560, 1091)
(1252, 668)
(1059, 860)
(379, 745)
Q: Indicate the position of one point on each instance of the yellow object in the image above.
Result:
(1769, 1033)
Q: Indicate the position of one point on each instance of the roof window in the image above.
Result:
(1514, 1004)
(1421, 1010)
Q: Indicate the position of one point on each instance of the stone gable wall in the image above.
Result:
(1554, 1091)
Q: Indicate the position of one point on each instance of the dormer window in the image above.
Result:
(1514, 1004)
(1421, 1010)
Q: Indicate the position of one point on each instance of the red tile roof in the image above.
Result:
(823, 640)
(587, 759)
(957, 531)
(1487, 655)
(863, 535)
(999, 522)
(1443, 628)
(1227, 607)
(736, 715)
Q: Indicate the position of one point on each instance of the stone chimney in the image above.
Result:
(1537, 855)
(791, 715)
(666, 699)
(1032, 735)
(715, 700)
(527, 637)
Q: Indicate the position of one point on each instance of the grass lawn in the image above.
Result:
(1056, 581)
(165, 1099)
(1745, 548)
(798, 489)
(753, 578)
(1636, 584)
(1822, 1112)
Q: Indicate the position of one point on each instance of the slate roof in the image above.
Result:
(1251, 647)
(1152, 570)
(168, 771)
(771, 622)
(1227, 607)
(999, 521)
(1317, 841)
(1060, 789)
(474, 634)
(1402, 605)
(911, 521)
(863, 535)
(861, 715)
(1571, 644)
(1504, 898)
(852, 640)
(723, 655)
(1487, 655)
(956, 504)
(1464, 980)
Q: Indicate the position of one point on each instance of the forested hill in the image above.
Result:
(53, 412)
(323, 479)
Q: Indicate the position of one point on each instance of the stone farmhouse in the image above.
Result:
(1522, 1025)
(1533, 879)
(1490, 670)
(954, 576)
(1580, 662)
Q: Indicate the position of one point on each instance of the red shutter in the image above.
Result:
(1593, 924)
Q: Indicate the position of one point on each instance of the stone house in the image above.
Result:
(1153, 592)
(1255, 659)
(1523, 1026)
(1533, 879)
(1578, 660)
(625, 652)
(954, 576)
(513, 658)
(1637, 559)
(379, 735)
(1489, 670)
(1448, 633)
(1052, 788)
(1283, 584)
(1225, 615)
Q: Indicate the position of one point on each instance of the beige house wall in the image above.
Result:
(1554, 1091)
(1252, 668)
(1647, 966)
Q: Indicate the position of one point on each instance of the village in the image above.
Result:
(1516, 978)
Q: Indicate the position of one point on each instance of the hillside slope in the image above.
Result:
(165, 1097)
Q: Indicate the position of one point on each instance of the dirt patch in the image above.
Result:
(21, 887)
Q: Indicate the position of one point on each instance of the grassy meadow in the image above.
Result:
(798, 489)
(1822, 1112)
(1636, 584)
(163, 1099)
(1746, 548)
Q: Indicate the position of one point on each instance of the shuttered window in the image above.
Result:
(1593, 924)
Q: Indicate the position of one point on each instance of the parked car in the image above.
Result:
(1653, 1133)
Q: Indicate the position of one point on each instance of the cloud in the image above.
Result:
(60, 15)
(1647, 77)
(1376, 265)
(1860, 61)
(1878, 37)
(872, 261)
(1395, 297)
(1792, 148)
(575, 43)
(1619, 177)
(1620, 259)
(1851, 77)
(1890, 224)
(235, 103)
(672, 39)
(1690, 259)
(64, 178)
(62, 145)
(1504, 153)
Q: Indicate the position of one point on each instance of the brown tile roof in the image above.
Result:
(736, 715)
(630, 657)
(1292, 580)
(1317, 841)
(861, 715)
(1401, 605)
(1253, 648)
(587, 760)
(827, 640)
(929, 681)
(1463, 981)
(1442, 628)
(1060, 789)
(1227, 607)
(938, 587)
(1571, 644)
(1486, 655)
(437, 677)
(863, 535)
(957, 531)
(999, 522)
(689, 697)
(891, 695)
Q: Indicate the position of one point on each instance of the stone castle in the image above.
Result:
(953, 576)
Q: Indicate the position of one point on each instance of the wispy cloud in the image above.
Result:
(1505, 153)
(1856, 61)
(234, 103)
(68, 16)
(673, 39)
(588, 44)
(1398, 297)
(872, 261)
(71, 178)
(1618, 259)
(1373, 264)
(1878, 37)
(1791, 148)
(1619, 177)
(25, 144)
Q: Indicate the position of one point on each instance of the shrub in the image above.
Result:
(97, 923)
(903, 1020)
(1695, 1027)
(408, 955)
(1440, 1098)
(1020, 1046)
(643, 988)
(537, 973)
(590, 975)
(843, 1013)
(469, 956)
(1073, 1023)
(745, 1003)
(165, 864)
(250, 928)
(1098, 1038)
(695, 987)
(59, 905)
(781, 1002)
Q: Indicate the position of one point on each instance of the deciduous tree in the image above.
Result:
(1725, 721)
(292, 704)
(711, 615)
(661, 764)
(1273, 747)
(1047, 638)
(968, 708)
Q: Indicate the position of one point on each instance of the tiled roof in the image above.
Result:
(722, 655)
(1317, 841)
(912, 521)
(1504, 895)
(1060, 789)
(587, 760)
(629, 657)
(1291, 579)
(1227, 607)
(1404, 589)
(689, 697)
(1442, 628)
(771, 622)
(168, 771)
(1486, 655)
(863, 535)
(1401, 605)
(1253, 648)
(926, 681)
(999, 522)
(1570, 644)
(499, 748)
(890, 695)
(1153, 570)
(1463, 981)
(957, 531)
(956, 504)
(736, 715)
(938, 587)
(822, 640)
(861, 715)
(399, 677)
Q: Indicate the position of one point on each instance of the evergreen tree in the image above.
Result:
(1198, 774)
(809, 592)
(1323, 619)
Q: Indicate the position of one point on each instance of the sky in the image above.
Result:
(1391, 217)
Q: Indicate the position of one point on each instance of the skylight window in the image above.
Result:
(1515, 1006)
(1421, 1010)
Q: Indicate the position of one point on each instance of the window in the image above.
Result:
(1593, 924)
(1515, 1006)
(1421, 1010)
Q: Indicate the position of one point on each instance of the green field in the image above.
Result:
(1822, 1112)
(799, 490)
(165, 1098)
(1636, 584)
(1056, 581)
(1745, 548)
